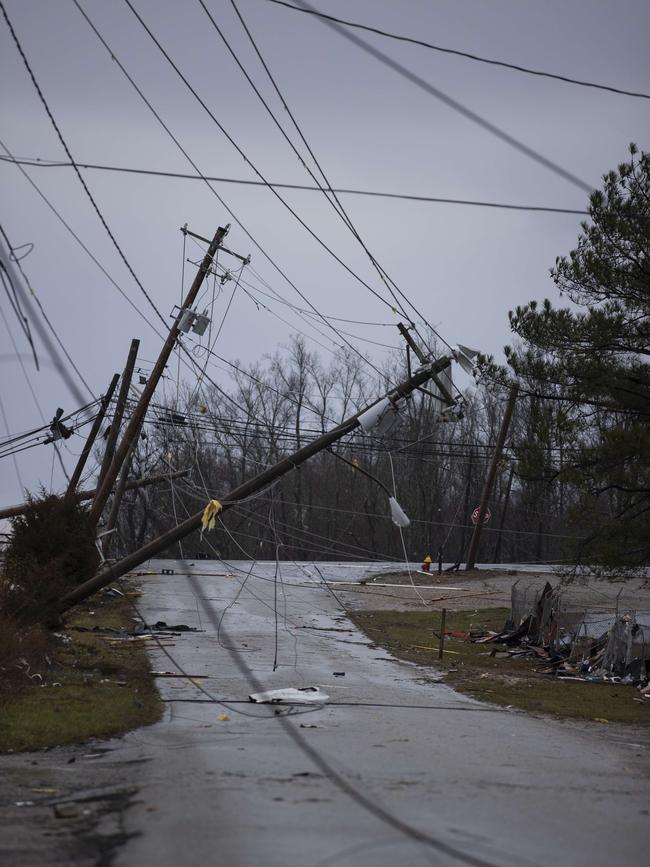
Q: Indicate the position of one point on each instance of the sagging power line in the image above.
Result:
(39, 162)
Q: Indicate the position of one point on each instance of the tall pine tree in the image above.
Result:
(590, 362)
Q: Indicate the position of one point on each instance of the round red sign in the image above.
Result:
(486, 516)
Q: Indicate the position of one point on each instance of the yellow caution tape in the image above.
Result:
(209, 519)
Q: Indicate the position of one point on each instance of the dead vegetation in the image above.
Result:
(82, 683)
(51, 549)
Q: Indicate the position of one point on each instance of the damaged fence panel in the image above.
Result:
(539, 626)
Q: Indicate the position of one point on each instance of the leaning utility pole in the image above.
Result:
(131, 431)
(119, 491)
(99, 418)
(366, 418)
(120, 406)
(492, 472)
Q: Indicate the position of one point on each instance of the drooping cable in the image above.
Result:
(454, 104)
(74, 165)
(36, 298)
(208, 184)
(466, 54)
(54, 164)
(327, 188)
(243, 155)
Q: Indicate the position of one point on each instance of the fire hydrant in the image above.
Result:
(426, 563)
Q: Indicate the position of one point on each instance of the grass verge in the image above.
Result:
(471, 669)
(95, 687)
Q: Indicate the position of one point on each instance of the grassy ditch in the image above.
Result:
(471, 669)
(92, 685)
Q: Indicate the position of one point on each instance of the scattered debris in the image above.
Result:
(111, 591)
(290, 695)
(618, 655)
(223, 717)
(187, 676)
(66, 811)
(161, 626)
(338, 673)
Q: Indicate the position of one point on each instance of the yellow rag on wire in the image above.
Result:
(209, 519)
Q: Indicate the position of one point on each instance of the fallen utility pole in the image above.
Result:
(114, 431)
(247, 489)
(131, 432)
(94, 430)
(79, 496)
(492, 472)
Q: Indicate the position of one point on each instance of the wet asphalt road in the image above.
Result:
(481, 784)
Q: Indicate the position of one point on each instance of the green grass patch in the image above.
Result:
(470, 668)
(105, 687)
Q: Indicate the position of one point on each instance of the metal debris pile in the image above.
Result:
(538, 627)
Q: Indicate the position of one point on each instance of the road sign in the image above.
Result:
(486, 516)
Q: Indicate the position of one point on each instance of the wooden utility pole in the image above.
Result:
(119, 490)
(489, 481)
(443, 622)
(468, 488)
(94, 430)
(247, 489)
(504, 512)
(114, 431)
(131, 432)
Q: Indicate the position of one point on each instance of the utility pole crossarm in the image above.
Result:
(247, 489)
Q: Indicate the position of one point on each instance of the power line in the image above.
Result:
(454, 104)
(363, 800)
(476, 57)
(14, 300)
(339, 190)
(77, 172)
(12, 251)
(207, 182)
(7, 265)
(83, 246)
(239, 150)
(383, 276)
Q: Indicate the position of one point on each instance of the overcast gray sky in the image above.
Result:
(463, 267)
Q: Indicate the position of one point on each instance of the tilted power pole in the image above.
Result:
(94, 430)
(247, 489)
(137, 417)
(492, 472)
(116, 423)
